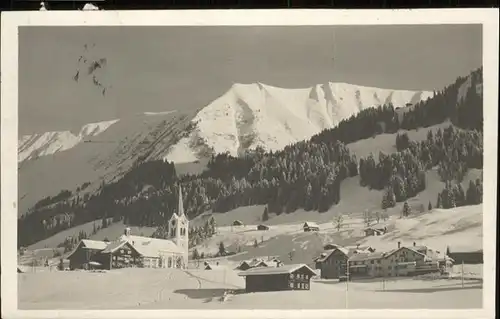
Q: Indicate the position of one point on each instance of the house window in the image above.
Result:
(306, 286)
(372, 262)
(389, 267)
(291, 284)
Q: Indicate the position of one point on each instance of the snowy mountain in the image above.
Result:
(252, 115)
(35, 145)
(245, 117)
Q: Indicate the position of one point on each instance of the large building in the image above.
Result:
(138, 251)
(287, 277)
(403, 261)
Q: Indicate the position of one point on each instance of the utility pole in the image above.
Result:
(462, 273)
(347, 286)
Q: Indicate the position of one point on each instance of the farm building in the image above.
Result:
(466, 255)
(262, 227)
(375, 231)
(310, 226)
(254, 263)
(332, 263)
(237, 223)
(288, 277)
(86, 251)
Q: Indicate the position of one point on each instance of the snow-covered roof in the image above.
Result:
(464, 249)
(367, 256)
(285, 269)
(151, 247)
(94, 244)
(113, 246)
(310, 224)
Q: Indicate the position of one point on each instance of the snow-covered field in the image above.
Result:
(202, 289)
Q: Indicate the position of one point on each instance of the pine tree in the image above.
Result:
(406, 209)
(222, 249)
(265, 215)
(429, 207)
(438, 203)
(255, 243)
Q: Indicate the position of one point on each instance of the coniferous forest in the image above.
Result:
(305, 175)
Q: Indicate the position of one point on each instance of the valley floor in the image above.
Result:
(202, 289)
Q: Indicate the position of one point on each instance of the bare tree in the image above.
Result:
(339, 222)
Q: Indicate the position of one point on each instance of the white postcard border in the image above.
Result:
(10, 22)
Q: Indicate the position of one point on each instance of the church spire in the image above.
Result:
(181, 206)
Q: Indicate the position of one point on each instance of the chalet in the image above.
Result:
(237, 223)
(274, 262)
(403, 261)
(254, 263)
(375, 231)
(287, 277)
(262, 227)
(332, 263)
(466, 255)
(86, 251)
(310, 226)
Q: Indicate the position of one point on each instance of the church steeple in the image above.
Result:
(181, 205)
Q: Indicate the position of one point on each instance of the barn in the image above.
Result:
(86, 251)
(310, 226)
(287, 277)
(262, 227)
(466, 255)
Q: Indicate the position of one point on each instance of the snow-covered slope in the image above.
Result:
(35, 145)
(252, 115)
(110, 152)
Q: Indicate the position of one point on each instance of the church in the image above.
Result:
(138, 251)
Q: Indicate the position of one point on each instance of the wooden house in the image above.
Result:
(287, 277)
(310, 226)
(333, 263)
(237, 223)
(466, 255)
(86, 251)
(121, 254)
(254, 263)
(375, 231)
(262, 227)
(403, 261)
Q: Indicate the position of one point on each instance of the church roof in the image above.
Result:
(151, 247)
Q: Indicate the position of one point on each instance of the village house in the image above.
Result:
(262, 227)
(371, 231)
(254, 263)
(333, 263)
(138, 251)
(86, 251)
(466, 255)
(237, 223)
(403, 261)
(287, 277)
(310, 226)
